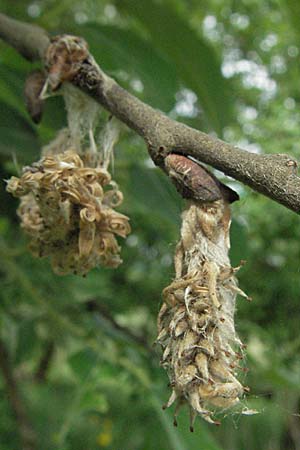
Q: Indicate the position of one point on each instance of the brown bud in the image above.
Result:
(33, 87)
(195, 182)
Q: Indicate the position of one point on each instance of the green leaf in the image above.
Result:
(27, 341)
(10, 58)
(83, 362)
(11, 89)
(293, 10)
(153, 192)
(195, 61)
(93, 401)
(21, 142)
(128, 57)
(239, 247)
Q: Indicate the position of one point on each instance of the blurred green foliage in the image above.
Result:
(81, 348)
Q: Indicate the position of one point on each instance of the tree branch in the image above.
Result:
(44, 363)
(27, 435)
(272, 175)
(94, 306)
(29, 40)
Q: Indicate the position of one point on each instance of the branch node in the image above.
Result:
(88, 77)
(64, 58)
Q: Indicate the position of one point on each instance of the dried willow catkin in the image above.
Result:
(201, 351)
(67, 208)
(68, 197)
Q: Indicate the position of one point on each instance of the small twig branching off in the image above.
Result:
(95, 306)
(44, 364)
(27, 434)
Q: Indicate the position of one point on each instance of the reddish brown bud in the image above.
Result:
(195, 182)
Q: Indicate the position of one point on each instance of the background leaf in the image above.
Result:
(132, 61)
(194, 59)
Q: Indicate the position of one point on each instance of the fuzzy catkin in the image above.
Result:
(67, 208)
(201, 351)
(67, 198)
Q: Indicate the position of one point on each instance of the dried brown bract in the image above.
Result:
(64, 57)
(201, 351)
(67, 207)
